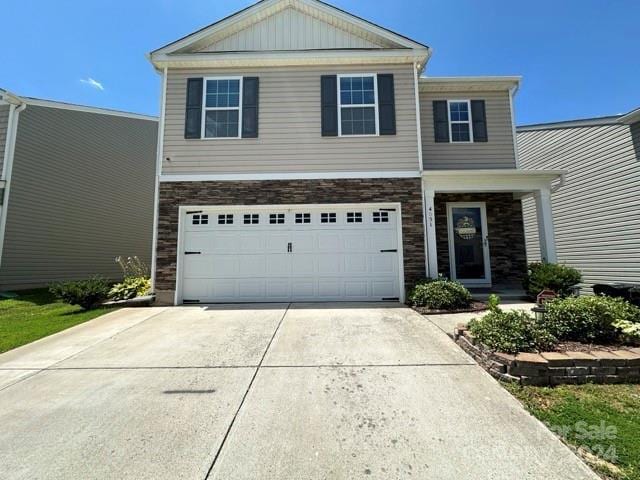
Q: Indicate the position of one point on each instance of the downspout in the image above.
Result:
(512, 93)
(158, 172)
(16, 106)
(416, 89)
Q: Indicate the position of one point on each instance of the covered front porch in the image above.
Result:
(474, 225)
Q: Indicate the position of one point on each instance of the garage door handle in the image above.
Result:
(289, 247)
(390, 250)
(192, 253)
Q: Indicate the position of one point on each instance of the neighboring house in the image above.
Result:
(76, 190)
(597, 211)
(303, 157)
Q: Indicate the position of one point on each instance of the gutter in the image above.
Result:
(16, 105)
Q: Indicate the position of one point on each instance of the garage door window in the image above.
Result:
(327, 218)
(276, 218)
(354, 217)
(200, 220)
(380, 217)
(251, 219)
(225, 219)
(303, 218)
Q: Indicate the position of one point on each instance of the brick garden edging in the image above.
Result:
(554, 368)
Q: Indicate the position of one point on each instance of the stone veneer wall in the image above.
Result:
(506, 234)
(406, 191)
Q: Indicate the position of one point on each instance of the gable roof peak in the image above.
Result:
(371, 34)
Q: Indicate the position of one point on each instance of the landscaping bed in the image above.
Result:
(475, 306)
(554, 368)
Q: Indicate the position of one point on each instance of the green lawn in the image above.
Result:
(35, 314)
(601, 421)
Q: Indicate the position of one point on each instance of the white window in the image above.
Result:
(251, 218)
(222, 115)
(276, 218)
(303, 218)
(327, 218)
(460, 129)
(357, 105)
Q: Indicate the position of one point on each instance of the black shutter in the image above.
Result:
(386, 104)
(193, 115)
(250, 107)
(479, 120)
(329, 100)
(440, 121)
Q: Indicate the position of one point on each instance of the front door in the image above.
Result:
(468, 243)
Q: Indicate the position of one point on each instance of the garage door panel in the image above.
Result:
(251, 242)
(261, 261)
(356, 263)
(278, 264)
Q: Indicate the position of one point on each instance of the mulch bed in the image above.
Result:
(589, 347)
(474, 307)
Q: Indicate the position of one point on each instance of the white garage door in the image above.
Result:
(290, 253)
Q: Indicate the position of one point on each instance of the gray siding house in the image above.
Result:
(597, 211)
(76, 190)
(304, 156)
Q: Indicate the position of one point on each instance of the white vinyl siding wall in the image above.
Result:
(498, 152)
(4, 120)
(289, 29)
(597, 212)
(289, 138)
(81, 193)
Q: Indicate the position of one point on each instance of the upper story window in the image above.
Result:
(357, 105)
(460, 121)
(221, 112)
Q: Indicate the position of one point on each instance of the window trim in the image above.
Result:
(469, 121)
(375, 104)
(205, 108)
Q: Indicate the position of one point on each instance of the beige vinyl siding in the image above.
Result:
(81, 193)
(498, 152)
(289, 29)
(290, 139)
(4, 120)
(597, 212)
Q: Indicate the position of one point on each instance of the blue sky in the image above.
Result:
(579, 58)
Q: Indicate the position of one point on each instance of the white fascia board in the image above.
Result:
(505, 82)
(265, 6)
(286, 176)
(631, 117)
(10, 98)
(288, 58)
(515, 180)
(82, 108)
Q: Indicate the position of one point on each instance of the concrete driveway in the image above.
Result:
(300, 391)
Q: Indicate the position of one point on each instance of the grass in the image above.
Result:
(35, 314)
(601, 422)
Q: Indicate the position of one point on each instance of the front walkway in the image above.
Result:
(302, 391)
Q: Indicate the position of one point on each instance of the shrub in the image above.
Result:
(130, 287)
(511, 332)
(441, 294)
(86, 293)
(559, 278)
(591, 319)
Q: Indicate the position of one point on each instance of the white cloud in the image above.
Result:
(92, 83)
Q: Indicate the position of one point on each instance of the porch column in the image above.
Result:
(546, 234)
(430, 221)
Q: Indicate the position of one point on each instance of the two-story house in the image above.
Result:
(304, 157)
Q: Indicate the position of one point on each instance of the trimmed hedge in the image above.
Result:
(559, 278)
(441, 294)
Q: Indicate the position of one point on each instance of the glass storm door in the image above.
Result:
(468, 243)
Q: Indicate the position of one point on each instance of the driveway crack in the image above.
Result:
(246, 393)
